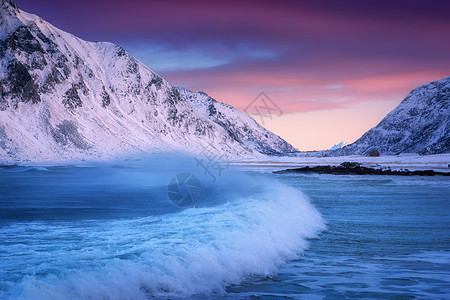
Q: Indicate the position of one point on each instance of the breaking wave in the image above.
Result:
(244, 226)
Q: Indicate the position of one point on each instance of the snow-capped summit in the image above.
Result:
(239, 125)
(64, 98)
(419, 124)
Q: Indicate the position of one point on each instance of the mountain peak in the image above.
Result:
(65, 98)
(9, 5)
(9, 20)
(419, 124)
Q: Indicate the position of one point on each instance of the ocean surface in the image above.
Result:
(183, 228)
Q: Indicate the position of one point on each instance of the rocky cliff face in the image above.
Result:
(64, 98)
(238, 125)
(419, 124)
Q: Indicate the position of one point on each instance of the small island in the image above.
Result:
(354, 168)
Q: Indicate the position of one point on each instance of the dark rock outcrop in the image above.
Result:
(352, 168)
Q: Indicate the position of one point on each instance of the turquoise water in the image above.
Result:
(102, 231)
(387, 237)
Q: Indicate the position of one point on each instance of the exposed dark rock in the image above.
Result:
(156, 81)
(10, 4)
(3, 101)
(38, 61)
(67, 132)
(352, 168)
(3, 138)
(133, 66)
(3, 49)
(172, 116)
(77, 61)
(120, 51)
(6, 143)
(81, 86)
(174, 97)
(374, 153)
(20, 83)
(53, 78)
(31, 93)
(51, 47)
(62, 65)
(106, 99)
(211, 109)
(18, 77)
(23, 40)
(347, 164)
(71, 98)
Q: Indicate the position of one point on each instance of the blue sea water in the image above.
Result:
(116, 231)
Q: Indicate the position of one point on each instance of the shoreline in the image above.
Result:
(352, 168)
(435, 162)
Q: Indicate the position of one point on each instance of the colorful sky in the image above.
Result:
(333, 67)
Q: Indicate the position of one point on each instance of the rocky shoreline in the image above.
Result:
(353, 168)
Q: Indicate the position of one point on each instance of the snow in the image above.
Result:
(239, 125)
(145, 113)
(7, 24)
(339, 146)
(419, 124)
(437, 162)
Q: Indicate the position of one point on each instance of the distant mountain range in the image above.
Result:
(419, 124)
(63, 98)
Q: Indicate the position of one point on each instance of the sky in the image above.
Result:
(331, 68)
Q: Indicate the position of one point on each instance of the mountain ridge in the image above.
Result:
(420, 124)
(64, 98)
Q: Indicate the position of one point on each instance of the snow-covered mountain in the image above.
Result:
(419, 124)
(238, 125)
(65, 98)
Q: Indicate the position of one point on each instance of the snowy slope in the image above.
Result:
(339, 146)
(64, 98)
(419, 124)
(238, 125)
